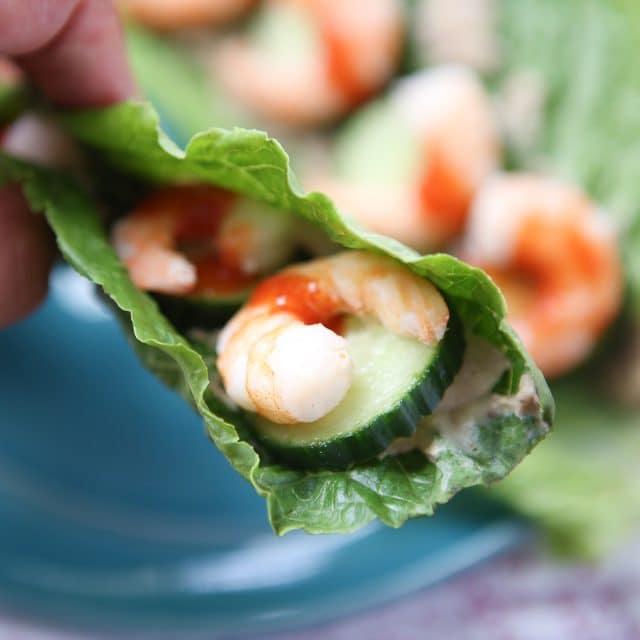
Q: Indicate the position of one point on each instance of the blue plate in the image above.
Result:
(116, 512)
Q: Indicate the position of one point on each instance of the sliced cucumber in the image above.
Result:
(201, 311)
(396, 382)
(376, 146)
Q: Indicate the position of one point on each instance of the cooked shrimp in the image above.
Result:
(279, 357)
(554, 255)
(177, 14)
(451, 135)
(198, 238)
(313, 60)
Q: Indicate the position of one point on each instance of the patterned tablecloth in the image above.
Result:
(524, 595)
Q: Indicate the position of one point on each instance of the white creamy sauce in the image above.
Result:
(468, 401)
(482, 367)
(460, 425)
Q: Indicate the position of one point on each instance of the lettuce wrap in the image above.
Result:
(479, 448)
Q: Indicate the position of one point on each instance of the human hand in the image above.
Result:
(73, 51)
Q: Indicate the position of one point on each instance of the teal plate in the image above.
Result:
(117, 514)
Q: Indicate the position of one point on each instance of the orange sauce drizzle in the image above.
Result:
(201, 209)
(301, 296)
(216, 277)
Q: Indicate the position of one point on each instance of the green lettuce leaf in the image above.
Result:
(170, 76)
(392, 489)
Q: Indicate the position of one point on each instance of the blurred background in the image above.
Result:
(501, 131)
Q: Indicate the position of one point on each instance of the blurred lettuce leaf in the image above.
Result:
(171, 78)
(392, 489)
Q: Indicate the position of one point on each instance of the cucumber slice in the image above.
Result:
(396, 382)
(201, 311)
(376, 146)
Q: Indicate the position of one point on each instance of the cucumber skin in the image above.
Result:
(189, 312)
(400, 421)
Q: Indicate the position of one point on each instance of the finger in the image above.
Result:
(73, 50)
(26, 254)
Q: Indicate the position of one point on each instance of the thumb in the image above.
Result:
(73, 50)
(26, 254)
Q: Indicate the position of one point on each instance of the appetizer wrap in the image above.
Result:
(494, 410)
(566, 112)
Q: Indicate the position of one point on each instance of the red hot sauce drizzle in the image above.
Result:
(203, 208)
(216, 277)
(301, 296)
(200, 210)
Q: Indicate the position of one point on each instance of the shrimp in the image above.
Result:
(176, 14)
(279, 357)
(200, 239)
(554, 255)
(344, 53)
(450, 132)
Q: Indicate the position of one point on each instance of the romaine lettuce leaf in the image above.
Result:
(391, 489)
(169, 76)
